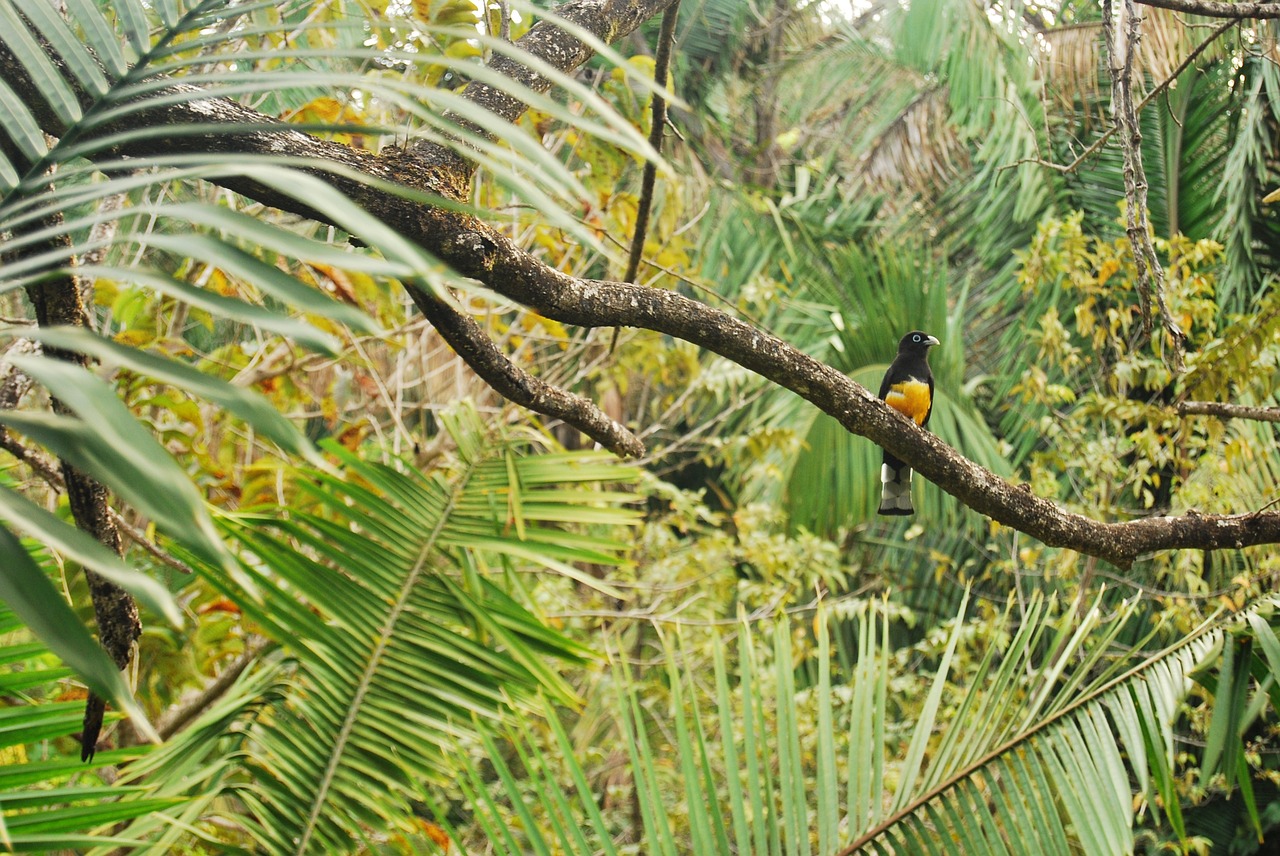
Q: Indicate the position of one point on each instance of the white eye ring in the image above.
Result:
(915, 338)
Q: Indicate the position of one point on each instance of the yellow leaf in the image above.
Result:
(1109, 267)
(134, 338)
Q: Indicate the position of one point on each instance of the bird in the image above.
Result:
(907, 388)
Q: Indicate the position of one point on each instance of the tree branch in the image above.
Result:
(1212, 9)
(478, 351)
(475, 249)
(659, 123)
(1228, 411)
(1123, 30)
(58, 301)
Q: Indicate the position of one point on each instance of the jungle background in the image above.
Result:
(385, 611)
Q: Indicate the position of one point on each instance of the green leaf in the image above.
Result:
(46, 77)
(83, 548)
(269, 278)
(107, 442)
(68, 46)
(397, 657)
(28, 592)
(219, 306)
(98, 35)
(22, 130)
(1221, 732)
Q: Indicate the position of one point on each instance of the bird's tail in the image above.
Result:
(895, 487)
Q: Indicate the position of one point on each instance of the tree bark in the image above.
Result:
(59, 302)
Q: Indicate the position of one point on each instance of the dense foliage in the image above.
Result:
(386, 611)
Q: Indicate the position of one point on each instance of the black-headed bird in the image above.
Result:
(908, 389)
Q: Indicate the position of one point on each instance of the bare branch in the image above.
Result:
(478, 351)
(1228, 411)
(1213, 9)
(1123, 30)
(663, 60)
(59, 301)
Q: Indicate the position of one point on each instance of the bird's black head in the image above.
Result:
(916, 341)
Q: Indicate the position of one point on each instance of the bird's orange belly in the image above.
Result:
(910, 398)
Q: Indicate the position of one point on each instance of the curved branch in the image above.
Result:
(515, 384)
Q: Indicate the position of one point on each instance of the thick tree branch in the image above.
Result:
(475, 249)
(1212, 9)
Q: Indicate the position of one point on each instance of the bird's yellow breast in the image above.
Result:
(910, 398)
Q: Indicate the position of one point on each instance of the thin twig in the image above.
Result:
(175, 719)
(661, 64)
(139, 537)
(693, 283)
(649, 176)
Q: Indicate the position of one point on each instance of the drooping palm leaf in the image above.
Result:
(70, 204)
(201, 767)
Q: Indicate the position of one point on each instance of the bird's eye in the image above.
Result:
(916, 337)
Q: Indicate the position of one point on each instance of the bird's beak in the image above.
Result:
(931, 341)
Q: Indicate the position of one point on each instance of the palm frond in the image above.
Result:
(72, 205)
(26, 588)
(200, 768)
(1054, 745)
(1250, 240)
(400, 640)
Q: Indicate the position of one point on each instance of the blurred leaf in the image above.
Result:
(81, 547)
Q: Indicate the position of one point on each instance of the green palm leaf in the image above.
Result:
(1041, 753)
(200, 769)
(150, 223)
(400, 640)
